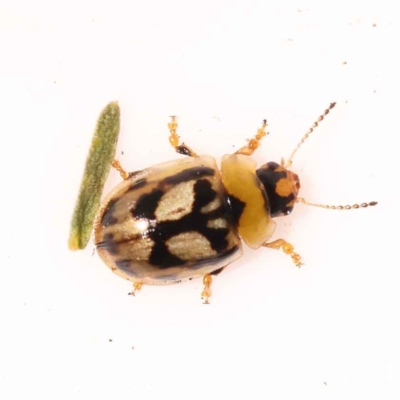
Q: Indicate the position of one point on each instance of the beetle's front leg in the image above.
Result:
(287, 249)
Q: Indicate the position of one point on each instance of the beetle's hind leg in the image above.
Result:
(206, 293)
(254, 143)
(137, 286)
(174, 140)
(287, 249)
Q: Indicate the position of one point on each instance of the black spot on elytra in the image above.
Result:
(188, 175)
(237, 207)
(203, 194)
(125, 265)
(138, 184)
(192, 222)
(217, 271)
(108, 217)
(147, 204)
(108, 244)
(130, 174)
(161, 256)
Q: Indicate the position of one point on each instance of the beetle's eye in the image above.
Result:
(282, 187)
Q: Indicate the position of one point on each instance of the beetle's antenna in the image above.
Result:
(310, 130)
(354, 206)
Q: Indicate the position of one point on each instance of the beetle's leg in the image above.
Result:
(116, 164)
(174, 140)
(206, 293)
(287, 249)
(253, 144)
(136, 287)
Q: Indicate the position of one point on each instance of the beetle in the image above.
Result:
(187, 219)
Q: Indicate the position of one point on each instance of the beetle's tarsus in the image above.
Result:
(206, 293)
(137, 286)
(254, 143)
(116, 164)
(174, 140)
(287, 249)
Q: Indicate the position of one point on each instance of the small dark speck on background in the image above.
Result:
(110, 340)
(122, 153)
(344, 62)
(373, 25)
(133, 347)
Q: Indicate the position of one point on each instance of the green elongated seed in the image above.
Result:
(97, 168)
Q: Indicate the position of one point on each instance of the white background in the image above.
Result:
(327, 331)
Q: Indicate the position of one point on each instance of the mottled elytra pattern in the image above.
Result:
(282, 187)
(195, 221)
(168, 223)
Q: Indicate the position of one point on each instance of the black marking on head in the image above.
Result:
(138, 184)
(108, 218)
(147, 204)
(188, 175)
(237, 207)
(269, 177)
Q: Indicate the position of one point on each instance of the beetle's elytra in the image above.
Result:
(186, 219)
(168, 223)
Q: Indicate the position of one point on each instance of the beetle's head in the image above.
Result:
(282, 187)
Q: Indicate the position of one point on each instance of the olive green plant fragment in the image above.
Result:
(97, 168)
